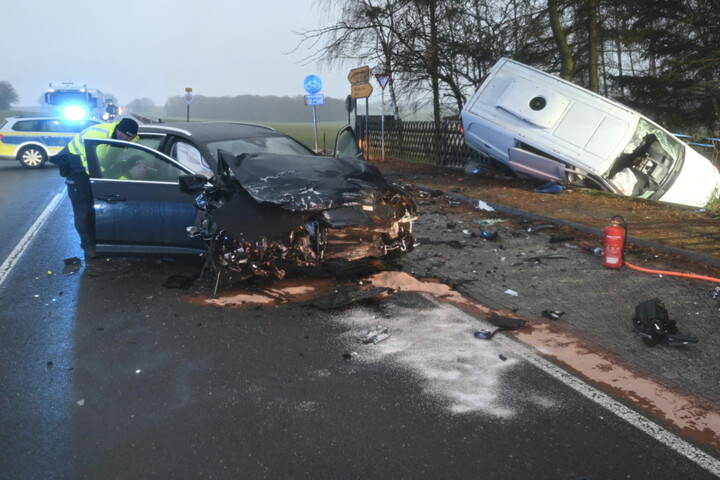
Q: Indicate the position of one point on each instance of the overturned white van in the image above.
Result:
(546, 128)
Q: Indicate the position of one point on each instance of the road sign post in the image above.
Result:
(188, 97)
(361, 88)
(313, 85)
(383, 81)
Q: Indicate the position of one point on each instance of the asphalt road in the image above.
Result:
(106, 373)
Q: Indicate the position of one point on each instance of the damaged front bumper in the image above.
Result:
(341, 235)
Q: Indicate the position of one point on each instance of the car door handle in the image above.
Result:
(112, 198)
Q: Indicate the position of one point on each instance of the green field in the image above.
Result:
(305, 133)
(302, 131)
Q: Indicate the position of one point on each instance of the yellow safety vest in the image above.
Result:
(101, 130)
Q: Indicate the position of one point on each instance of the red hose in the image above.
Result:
(675, 274)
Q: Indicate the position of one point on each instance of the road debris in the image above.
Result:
(506, 322)
(345, 296)
(484, 206)
(72, 265)
(181, 280)
(375, 335)
(536, 227)
(654, 326)
(550, 187)
(552, 314)
(561, 238)
(539, 259)
(485, 334)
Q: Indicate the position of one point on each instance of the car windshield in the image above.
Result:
(647, 161)
(268, 144)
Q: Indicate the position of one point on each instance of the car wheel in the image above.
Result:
(32, 157)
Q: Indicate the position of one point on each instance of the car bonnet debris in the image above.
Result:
(265, 210)
(375, 335)
(653, 325)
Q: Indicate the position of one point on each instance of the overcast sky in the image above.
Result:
(156, 48)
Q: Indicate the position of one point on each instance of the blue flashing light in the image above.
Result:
(74, 112)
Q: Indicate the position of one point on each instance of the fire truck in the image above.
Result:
(76, 101)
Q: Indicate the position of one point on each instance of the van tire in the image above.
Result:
(32, 157)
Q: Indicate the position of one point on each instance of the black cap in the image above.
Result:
(128, 126)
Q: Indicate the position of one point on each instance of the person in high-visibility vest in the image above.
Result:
(72, 161)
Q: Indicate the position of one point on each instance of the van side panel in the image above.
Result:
(569, 122)
(602, 142)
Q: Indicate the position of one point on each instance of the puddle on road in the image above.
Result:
(693, 418)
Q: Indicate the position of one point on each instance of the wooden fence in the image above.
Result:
(443, 145)
(420, 142)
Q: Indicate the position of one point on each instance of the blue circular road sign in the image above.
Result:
(312, 84)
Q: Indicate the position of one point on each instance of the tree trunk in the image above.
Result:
(593, 42)
(566, 60)
(433, 58)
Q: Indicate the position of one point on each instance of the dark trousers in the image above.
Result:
(80, 193)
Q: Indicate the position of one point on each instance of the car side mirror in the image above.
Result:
(192, 184)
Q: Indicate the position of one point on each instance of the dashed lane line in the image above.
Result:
(23, 244)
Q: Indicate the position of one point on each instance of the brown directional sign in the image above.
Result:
(360, 90)
(359, 75)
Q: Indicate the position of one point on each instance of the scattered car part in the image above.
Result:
(653, 325)
(550, 187)
(552, 314)
(485, 334)
(375, 335)
(505, 322)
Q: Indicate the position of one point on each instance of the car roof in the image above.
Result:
(210, 131)
(40, 117)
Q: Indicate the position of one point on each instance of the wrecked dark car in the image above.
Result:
(256, 213)
(263, 211)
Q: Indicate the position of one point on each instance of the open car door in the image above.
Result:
(138, 205)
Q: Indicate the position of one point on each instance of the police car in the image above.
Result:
(32, 140)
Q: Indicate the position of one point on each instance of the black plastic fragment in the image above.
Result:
(654, 326)
(552, 314)
(506, 322)
(181, 280)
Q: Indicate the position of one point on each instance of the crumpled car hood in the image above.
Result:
(305, 183)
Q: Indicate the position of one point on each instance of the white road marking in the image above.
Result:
(20, 248)
(438, 344)
(630, 416)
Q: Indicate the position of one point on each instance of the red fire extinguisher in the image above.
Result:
(614, 242)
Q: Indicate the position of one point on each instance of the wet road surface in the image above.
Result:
(108, 374)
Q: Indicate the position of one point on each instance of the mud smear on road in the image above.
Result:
(305, 290)
(278, 292)
(693, 418)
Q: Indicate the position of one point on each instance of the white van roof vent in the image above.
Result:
(529, 101)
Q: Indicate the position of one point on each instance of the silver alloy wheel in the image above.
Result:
(32, 157)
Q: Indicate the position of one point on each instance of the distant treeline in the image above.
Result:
(256, 108)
